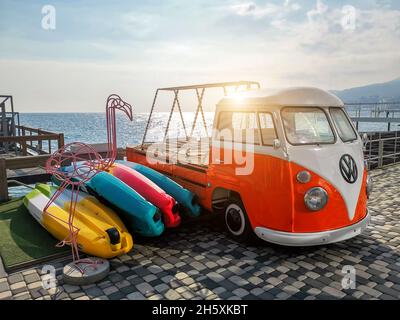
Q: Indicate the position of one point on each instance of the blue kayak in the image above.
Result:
(139, 215)
(186, 198)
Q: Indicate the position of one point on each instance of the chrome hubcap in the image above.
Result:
(234, 219)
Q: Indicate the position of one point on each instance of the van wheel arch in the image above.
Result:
(220, 196)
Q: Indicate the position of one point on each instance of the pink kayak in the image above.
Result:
(150, 191)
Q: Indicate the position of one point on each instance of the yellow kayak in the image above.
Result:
(101, 231)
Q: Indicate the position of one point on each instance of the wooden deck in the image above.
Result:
(28, 170)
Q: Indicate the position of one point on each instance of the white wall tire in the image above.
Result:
(236, 221)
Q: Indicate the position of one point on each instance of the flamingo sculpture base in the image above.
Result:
(86, 271)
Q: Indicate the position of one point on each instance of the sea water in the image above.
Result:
(91, 127)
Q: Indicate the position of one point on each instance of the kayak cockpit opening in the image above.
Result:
(114, 235)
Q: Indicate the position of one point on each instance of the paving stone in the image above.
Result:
(69, 289)
(388, 291)
(156, 297)
(122, 284)
(136, 280)
(333, 292)
(172, 295)
(155, 269)
(115, 277)
(167, 279)
(5, 295)
(187, 295)
(257, 291)
(127, 290)
(22, 296)
(17, 285)
(135, 296)
(188, 281)
(369, 291)
(28, 271)
(149, 277)
(4, 287)
(240, 292)
(94, 292)
(116, 296)
(255, 280)
(15, 278)
(33, 277)
(181, 275)
(144, 288)
(238, 280)
(198, 266)
(215, 276)
(110, 290)
(211, 265)
(161, 288)
(76, 295)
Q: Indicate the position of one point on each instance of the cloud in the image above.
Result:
(139, 24)
(253, 10)
(256, 11)
(317, 12)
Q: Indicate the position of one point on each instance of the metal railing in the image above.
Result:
(383, 112)
(382, 149)
(9, 119)
(32, 141)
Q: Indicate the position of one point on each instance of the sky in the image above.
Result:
(130, 47)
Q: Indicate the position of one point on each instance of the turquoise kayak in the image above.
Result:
(139, 215)
(186, 198)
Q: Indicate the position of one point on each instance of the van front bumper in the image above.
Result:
(315, 238)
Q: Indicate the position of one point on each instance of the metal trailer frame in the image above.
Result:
(200, 90)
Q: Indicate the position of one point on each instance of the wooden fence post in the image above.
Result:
(40, 144)
(60, 140)
(3, 181)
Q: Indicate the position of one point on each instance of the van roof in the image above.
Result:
(297, 96)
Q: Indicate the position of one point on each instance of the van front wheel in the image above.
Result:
(236, 221)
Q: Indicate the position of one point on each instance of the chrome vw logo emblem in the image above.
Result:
(348, 168)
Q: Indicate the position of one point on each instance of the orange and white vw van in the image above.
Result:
(285, 165)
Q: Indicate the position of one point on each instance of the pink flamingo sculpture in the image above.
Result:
(86, 163)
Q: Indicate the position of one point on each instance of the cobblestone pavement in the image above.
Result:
(199, 261)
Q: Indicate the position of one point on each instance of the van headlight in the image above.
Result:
(370, 185)
(316, 199)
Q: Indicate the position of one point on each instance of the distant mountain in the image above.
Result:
(381, 92)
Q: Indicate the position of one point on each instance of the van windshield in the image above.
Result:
(307, 126)
(343, 125)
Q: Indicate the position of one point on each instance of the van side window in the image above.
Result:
(268, 133)
(242, 126)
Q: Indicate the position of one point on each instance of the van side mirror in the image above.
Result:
(365, 138)
(277, 144)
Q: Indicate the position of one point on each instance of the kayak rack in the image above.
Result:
(200, 90)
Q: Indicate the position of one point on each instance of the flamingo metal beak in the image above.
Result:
(129, 111)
